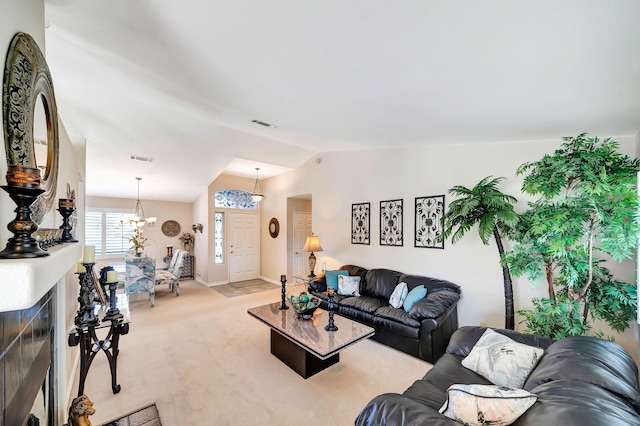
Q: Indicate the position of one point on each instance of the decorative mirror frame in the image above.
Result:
(27, 79)
(274, 227)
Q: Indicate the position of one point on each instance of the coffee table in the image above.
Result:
(304, 345)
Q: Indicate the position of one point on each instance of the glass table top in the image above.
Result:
(310, 334)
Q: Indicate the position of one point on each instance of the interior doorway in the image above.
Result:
(244, 246)
(301, 230)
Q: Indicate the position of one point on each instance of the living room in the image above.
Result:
(333, 180)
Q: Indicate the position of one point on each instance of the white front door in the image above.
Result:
(301, 230)
(244, 246)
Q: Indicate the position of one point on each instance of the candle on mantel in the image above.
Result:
(112, 277)
(89, 254)
(81, 268)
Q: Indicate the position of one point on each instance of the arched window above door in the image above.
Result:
(234, 199)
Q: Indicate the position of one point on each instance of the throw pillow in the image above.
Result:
(413, 296)
(486, 404)
(398, 295)
(332, 278)
(502, 360)
(348, 286)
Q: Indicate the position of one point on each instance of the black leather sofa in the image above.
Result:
(423, 332)
(579, 381)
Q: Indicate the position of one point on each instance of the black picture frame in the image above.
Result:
(360, 223)
(428, 222)
(391, 223)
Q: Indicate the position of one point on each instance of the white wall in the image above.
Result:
(343, 178)
(28, 16)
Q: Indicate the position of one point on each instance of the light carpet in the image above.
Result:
(204, 361)
(242, 288)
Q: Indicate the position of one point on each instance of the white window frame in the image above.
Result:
(124, 235)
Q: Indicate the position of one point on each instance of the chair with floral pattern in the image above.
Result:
(171, 275)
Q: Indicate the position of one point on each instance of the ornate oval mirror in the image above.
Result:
(29, 107)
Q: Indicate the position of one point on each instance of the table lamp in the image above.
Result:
(312, 244)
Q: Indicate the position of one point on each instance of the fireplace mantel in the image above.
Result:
(25, 281)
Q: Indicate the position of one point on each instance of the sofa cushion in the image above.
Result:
(397, 314)
(393, 409)
(418, 293)
(486, 404)
(394, 326)
(573, 402)
(431, 284)
(356, 271)
(435, 304)
(601, 362)
(431, 390)
(362, 303)
(332, 278)
(380, 283)
(502, 360)
(465, 338)
(348, 286)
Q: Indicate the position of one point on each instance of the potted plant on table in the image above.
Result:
(187, 241)
(138, 241)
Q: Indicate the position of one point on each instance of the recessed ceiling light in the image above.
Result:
(141, 158)
(262, 123)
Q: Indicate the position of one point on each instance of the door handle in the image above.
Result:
(297, 252)
(231, 251)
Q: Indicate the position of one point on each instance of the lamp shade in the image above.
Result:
(312, 244)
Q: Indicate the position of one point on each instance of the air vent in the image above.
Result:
(141, 158)
(262, 123)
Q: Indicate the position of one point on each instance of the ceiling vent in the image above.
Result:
(262, 123)
(141, 158)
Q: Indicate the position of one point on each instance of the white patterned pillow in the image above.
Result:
(486, 404)
(398, 295)
(348, 286)
(502, 360)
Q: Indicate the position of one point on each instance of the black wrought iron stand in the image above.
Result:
(283, 280)
(66, 227)
(331, 326)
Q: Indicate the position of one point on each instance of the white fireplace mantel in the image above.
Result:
(24, 281)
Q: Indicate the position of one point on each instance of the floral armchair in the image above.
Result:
(171, 275)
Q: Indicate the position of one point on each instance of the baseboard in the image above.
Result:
(215, 284)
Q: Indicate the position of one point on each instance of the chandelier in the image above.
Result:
(138, 219)
(257, 195)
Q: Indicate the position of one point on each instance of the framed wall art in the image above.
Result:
(428, 223)
(391, 226)
(360, 221)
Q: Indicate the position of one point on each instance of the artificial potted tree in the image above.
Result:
(492, 211)
(587, 206)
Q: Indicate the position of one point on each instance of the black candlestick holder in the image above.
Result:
(66, 213)
(22, 244)
(113, 314)
(283, 280)
(86, 313)
(331, 326)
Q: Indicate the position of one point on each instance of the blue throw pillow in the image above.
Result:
(332, 278)
(414, 295)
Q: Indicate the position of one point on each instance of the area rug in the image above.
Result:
(241, 288)
(147, 416)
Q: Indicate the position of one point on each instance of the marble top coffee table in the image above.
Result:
(304, 345)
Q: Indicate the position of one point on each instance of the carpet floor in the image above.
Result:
(203, 360)
(147, 416)
(242, 288)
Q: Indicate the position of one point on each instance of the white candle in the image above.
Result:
(112, 277)
(89, 254)
(81, 267)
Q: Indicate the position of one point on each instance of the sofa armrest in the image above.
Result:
(394, 409)
(318, 284)
(434, 304)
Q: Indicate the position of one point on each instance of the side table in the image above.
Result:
(91, 344)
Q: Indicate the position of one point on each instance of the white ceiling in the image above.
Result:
(180, 81)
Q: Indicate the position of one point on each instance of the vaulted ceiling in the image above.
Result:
(182, 81)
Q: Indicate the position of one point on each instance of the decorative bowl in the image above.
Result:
(304, 304)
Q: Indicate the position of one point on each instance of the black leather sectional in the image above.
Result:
(579, 381)
(423, 332)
